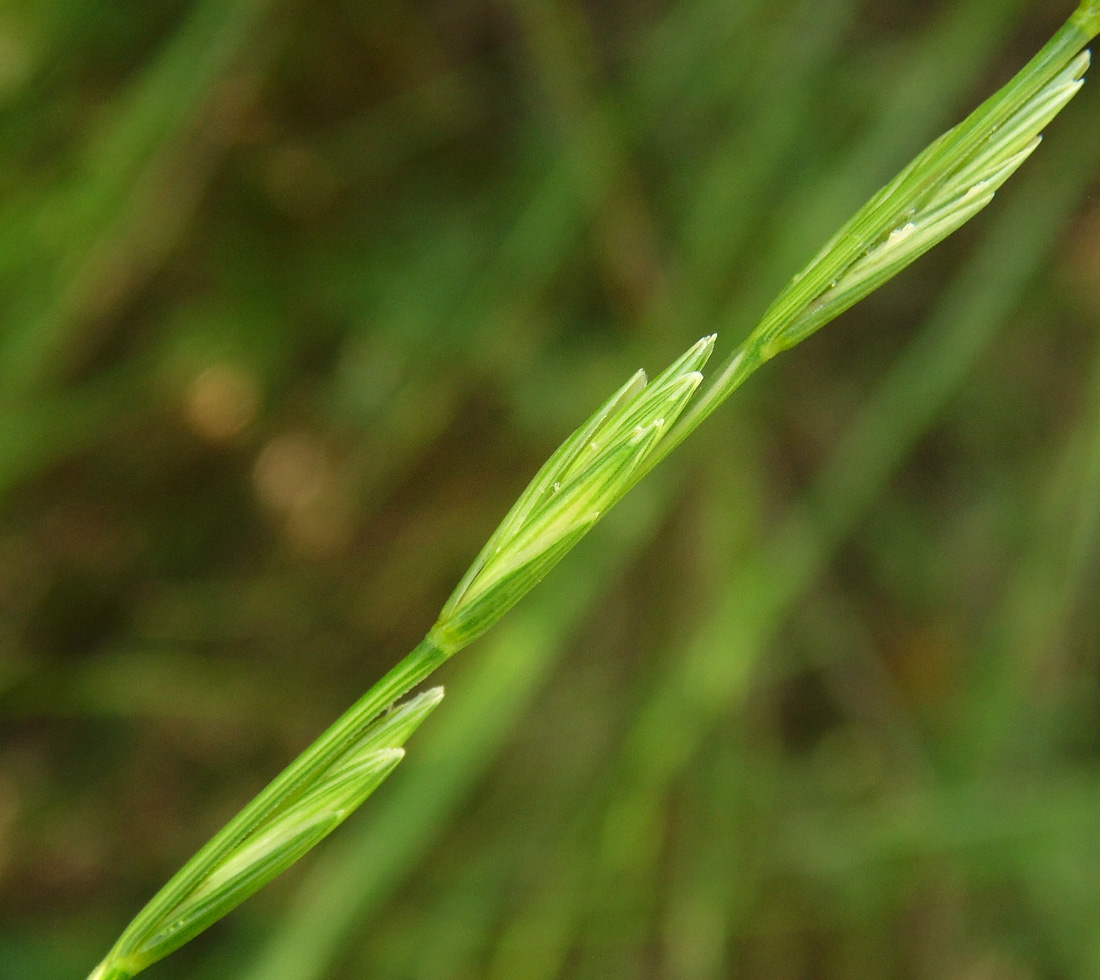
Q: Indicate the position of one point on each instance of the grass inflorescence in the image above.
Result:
(638, 426)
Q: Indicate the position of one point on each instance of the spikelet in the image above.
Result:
(940, 190)
(284, 822)
(580, 482)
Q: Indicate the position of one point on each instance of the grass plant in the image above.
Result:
(941, 189)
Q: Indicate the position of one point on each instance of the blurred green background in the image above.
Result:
(295, 297)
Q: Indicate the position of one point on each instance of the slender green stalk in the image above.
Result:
(944, 186)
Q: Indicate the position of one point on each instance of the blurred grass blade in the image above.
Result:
(50, 278)
(1019, 703)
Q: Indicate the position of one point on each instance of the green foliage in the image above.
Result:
(939, 191)
(299, 296)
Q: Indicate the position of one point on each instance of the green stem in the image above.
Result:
(733, 373)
